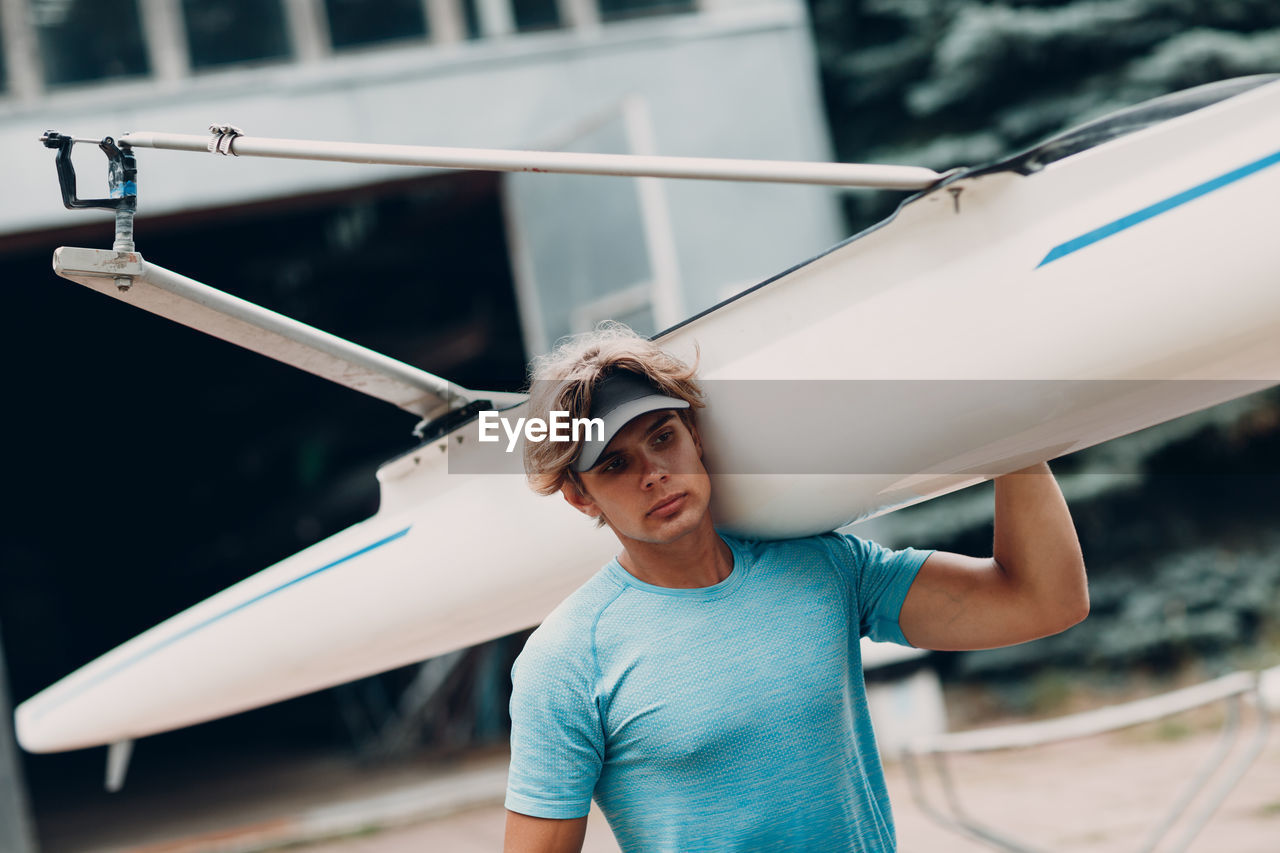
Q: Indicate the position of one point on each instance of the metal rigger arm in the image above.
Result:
(123, 274)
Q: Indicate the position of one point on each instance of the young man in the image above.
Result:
(707, 691)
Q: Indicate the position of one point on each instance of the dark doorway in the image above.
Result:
(155, 466)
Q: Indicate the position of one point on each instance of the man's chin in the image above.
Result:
(667, 531)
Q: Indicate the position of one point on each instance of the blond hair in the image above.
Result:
(565, 379)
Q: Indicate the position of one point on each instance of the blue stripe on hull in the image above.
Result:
(1125, 222)
(124, 664)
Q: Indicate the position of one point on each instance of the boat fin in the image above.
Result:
(118, 755)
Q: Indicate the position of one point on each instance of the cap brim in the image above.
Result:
(615, 420)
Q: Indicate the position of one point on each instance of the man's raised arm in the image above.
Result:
(1033, 585)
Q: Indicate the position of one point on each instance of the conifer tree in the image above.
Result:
(945, 83)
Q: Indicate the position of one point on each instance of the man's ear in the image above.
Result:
(579, 500)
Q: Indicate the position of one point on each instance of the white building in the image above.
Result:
(728, 78)
(719, 78)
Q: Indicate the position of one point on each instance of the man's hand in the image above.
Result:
(527, 834)
(1032, 586)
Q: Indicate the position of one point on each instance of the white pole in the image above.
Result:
(632, 165)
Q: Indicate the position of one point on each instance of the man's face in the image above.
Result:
(649, 484)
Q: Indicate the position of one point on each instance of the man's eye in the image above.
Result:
(614, 464)
(664, 436)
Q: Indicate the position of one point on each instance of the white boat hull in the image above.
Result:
(953, 344)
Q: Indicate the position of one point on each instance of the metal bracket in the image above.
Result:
(122, 174)
(122, 182)
(429, 429)
(223, 136)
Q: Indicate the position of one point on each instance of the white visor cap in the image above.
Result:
(620, 398)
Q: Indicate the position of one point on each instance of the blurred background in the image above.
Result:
(154, 466)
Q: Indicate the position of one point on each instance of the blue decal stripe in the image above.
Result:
(1075, 245)
(124, 664)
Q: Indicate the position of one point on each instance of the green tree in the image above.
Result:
(944, 83)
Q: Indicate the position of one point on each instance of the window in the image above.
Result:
(357, 22)
(535, 15)
(614, 10)
(85, 40)
(632, 307)
(471, 19)
(221, 32)
(586, 249)
(526, 15)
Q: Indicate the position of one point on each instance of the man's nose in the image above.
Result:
(655, 471)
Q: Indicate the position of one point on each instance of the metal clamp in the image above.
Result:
(223, 136)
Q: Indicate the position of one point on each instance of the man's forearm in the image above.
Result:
(1037, 548)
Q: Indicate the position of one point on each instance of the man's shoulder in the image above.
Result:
(808, 551)
(568, 631)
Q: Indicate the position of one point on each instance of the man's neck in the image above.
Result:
(699, 559)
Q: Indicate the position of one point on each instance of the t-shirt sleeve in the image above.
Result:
(879, 580)
(557, 742)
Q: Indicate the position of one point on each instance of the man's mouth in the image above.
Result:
(668, 506)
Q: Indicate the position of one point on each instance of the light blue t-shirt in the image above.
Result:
(729, 717)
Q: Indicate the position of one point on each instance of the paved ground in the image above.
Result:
(1098, 795)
